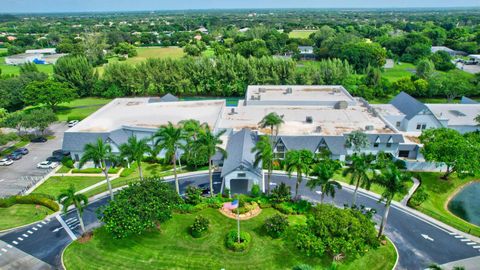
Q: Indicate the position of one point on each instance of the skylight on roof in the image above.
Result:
(457, 113)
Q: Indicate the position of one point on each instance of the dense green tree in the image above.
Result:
(357, 140)
(134, 150)
(452, 84)
(170, 139)
(124, 48)
(425, 69)
(437, 35)
(28, 67)
(416, 52)
(256, 48)
(49, 92)
(299, 162)
(442, 61)
(322, 174)
(71, 197)
(361, 55)
(359, 169)
(393, 181)
(142, 206)
(77, 72)
(447, 146)
(101, 155)
(40, 119)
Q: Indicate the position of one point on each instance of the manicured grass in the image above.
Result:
(300, 33)
(174, 248)
(95, 170)
(21, 214)
(79, 109)
(56, 184)
(438, 193)
(63, 169)
(374, 187)
(399, 71)
(15, 70)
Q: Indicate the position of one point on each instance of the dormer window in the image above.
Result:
(389, 142)
(280, 150)
(377, 142)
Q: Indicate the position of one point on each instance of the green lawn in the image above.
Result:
(79, 109)
(374, 187)
(174, 248)
(399, 71)
(15, 70)
(438, 193)
(56, 184)
(21, 214)
(300, 33)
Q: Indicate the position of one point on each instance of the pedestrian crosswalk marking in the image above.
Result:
(15, 242)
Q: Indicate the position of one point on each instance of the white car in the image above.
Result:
(6, 162)
(47, 165)
(72, 123)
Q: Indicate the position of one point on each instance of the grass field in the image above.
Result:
(15, 70)
(21, 214)
(56, 184)
(300, 33)
(79, 109)
(399, 71)
(438, 193)
(174, 248)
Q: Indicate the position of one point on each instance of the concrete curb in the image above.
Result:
(396, 251)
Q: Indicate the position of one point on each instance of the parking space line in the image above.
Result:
(20, 238)
(458, 236)
(9, 246)
(15, 242)
(4, 250)
(465, 240)
(35, 229)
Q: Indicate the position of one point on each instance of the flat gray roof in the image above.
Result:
(457, 114)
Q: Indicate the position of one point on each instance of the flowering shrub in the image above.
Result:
(276, 225)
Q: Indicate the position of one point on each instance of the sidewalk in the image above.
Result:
(412, 190)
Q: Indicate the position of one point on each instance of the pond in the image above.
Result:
(466, 204)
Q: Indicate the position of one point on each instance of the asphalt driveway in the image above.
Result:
(22, 172)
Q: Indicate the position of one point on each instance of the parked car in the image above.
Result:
(22, 151)
(55, 158)
(72, 123)
(47, 165)
(39, 140)
(15, 156)
(205, 187)
(6, 162)
(61, 153)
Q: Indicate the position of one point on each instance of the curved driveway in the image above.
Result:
(418, 241)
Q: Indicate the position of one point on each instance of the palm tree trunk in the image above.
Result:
(80, 220)
(140, 172)
(384, 218)
(354, 201)
(177, 187)
(210, 176)
(269, 175)
(322, 197)
(299, 179)
(105, 172)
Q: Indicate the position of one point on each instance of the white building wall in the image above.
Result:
(428, 119)
(253, 179)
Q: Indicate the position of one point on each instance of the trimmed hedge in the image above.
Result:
(231, 241)
(199, 226)
(40, 199)
(95, 170)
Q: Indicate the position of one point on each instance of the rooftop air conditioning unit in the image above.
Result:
(232, 111)
(262, 90)
(341, 105)
(309, 120)
(369, 127)
(318, 129)
(289, 90)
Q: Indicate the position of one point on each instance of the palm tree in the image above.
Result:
(298, 161)
(68, 197)
(169, 138)
(393, 181)
(358, 170)
(192, 128)
(263, 153)
(323, 172)
(134, 150)
(272, 120)
(101, 154)
(209, 143)
(477, 119)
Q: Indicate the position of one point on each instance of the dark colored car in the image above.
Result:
(39, 140)
(205, 188)
(55, 159)
(22, 151)
(61, 153)
(15, 156)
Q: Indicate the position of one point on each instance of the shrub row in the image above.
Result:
(95, 170)
(40, 199)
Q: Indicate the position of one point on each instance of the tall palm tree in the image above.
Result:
(323, 173)
(358, 170)
(298, 161)
(80, 201)
(209, 143)
(273, 121)
(393, 181)
(357, 140)
(170, 139)
(192, 128)
(134, 150)
(263, 153)
(101, 154)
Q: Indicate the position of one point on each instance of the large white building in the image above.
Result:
(315, 118)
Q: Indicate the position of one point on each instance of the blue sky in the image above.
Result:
(20, 6)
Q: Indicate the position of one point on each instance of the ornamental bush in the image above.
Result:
(193, 195)
(231, 241)
(276, 225)
(34, 198)
(281, 193)
(255, 192)
(199, 226)
(419, 197)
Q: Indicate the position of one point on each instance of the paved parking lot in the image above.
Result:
(469, 68)
(20, 174)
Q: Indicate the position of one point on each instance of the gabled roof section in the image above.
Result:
(385, 138)
(466, 100)
(334, 143)
(239, 152)
(76, 141)
(408, 105)
(166, 98)
(118, 136)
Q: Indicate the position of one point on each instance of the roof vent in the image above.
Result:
(318, 129)
(341, 105)
(309, 120)
(262, 90)
(232, 111)
(289, 90)
(369, 127)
